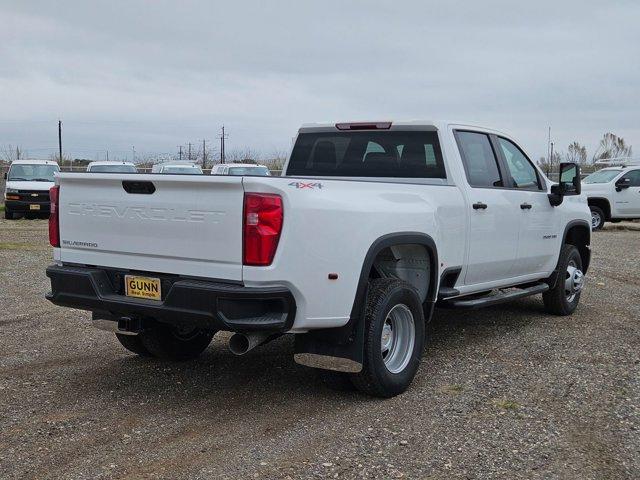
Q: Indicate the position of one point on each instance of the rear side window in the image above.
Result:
(480, 163)
(394, 154)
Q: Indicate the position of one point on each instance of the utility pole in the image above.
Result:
(223, 136)
(107, 155)
(189, 156)
(180, 152)
(60, 141)
(134, 154)
(551, 157)
(204, 153)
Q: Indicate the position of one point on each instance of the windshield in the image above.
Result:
(602, 176)
(182, 170)
(262, 171)
(32, 172)
(113, 169)
(399, 154)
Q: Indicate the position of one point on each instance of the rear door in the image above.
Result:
(494, 223)
(181, 224)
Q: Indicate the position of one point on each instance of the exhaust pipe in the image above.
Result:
(241, 343)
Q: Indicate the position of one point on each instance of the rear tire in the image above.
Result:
(171, 343)
(563, 298)
(597, 217)
(394, 338)
(133, 343)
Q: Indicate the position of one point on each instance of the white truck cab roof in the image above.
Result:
(34, 162)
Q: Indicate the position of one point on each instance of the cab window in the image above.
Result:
(523, 173)
(634, 176)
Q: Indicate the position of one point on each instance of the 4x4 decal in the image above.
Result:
(301, 185)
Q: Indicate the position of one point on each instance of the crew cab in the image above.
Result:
(370, 227)
(27, 187)
(613, 193)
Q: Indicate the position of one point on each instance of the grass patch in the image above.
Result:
(452, 389)
(1, 208)
(507, 404)
(19, 246)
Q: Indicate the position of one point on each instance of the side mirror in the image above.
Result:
(623, 183)
(569, 184)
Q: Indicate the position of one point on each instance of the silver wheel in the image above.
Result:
(596, 219)
(574, 281)
(398, 338)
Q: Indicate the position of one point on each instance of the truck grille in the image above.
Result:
(36, 196)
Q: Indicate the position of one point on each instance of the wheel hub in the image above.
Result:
(574, 281)
(398, 338)
(595, 219)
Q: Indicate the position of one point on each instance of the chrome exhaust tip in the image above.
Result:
(241, 343)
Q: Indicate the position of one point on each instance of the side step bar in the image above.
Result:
(495, 298)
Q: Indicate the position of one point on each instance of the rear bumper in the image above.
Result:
(22, 206)
(212, 305)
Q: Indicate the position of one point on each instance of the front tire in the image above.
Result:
(172, 343)
(394, 338)
(563, 298)
(597, 217)
(8, 215)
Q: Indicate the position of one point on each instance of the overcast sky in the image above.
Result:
(158, 74)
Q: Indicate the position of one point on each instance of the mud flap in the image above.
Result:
(338, 349)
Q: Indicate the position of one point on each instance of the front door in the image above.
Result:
(539, 223)
(627, 200)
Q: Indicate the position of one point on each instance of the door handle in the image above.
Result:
(479, 206)
(525, 206)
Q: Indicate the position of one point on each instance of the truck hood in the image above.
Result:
(595, 187)
(26, 185)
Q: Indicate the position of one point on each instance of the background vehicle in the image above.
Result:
(27, 187)
(371, 225)
(240, 169)
(112, 167)
(613, 193)
(180, 168)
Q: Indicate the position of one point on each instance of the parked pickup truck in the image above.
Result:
(371, 225)
(613, 194)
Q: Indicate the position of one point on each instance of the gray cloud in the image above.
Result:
(158, 74)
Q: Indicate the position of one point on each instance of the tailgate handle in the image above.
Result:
(144, 188)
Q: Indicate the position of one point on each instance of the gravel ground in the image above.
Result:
(506, 392)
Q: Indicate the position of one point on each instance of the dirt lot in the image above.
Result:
(508, 392)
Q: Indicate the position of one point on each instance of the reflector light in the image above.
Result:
(364, 126)
(54, 226)
(262, 224)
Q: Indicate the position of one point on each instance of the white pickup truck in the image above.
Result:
(613, 194)
(371, 225)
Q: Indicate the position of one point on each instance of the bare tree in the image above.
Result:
(242, 155)
(9, 153)
(277, 159)
(612, 146)
(551, 164)
(576, 153)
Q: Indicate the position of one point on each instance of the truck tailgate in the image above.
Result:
(188, 225)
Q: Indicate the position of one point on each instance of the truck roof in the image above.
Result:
(391, 124)
(34, 162)
(110, 162)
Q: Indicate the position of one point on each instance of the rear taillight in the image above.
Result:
(54, 225)
(262, 225)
